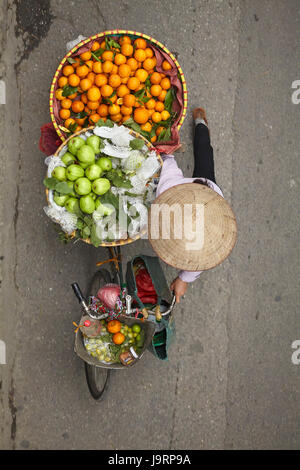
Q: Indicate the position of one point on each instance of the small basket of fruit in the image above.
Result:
(125, 76)
(100, 183)
(119, 343)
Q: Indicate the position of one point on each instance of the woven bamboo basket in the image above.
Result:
(115, 33)
(117, 242)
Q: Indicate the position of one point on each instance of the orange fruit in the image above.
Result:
(148, 64)
(156, 117)
(66, 103)
(100, 79)
(129, 100)
(159, 106)
(140, 115)
(114, 109)
(80, 121)
(149, 52)
(165, 83)
(64, 113)
(78, 128)
(103, 110)
(155, 90)
(114, 80)
(166, 65)
(93, 94)
(107, 66)
(85, 56)
(118, 338)
(126, 110)
(67, 70)
(82, 71)
(159, 130)
(62, 81)
(107, 55)
(122, 90)
(146, 127)
(133, 83)
(114, 326)
(125, 118)
(93, 104)
(124, 70)
(120, 59)
(151, 103)
(116, 117)
(153, 139)
(113, 99)
(76, 63)
(95, 46)
(84, 98)
(91, 76)
(69, 122)
(58, 94)
(73, 79)
(97, 67)
(94, 118)
(141, 74)
(155, 78)
(165, 115)
(114, 70)
(124, 80)
(124, 40)
(106, 90)
(85, 84)
(140, 43)
(162, 95)
(140, 55)
(73, 96)
(132, 62)
(127, 49)
(77, 106)
(103, 45)
(89, 64)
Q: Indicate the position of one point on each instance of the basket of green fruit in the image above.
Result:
(100, 183)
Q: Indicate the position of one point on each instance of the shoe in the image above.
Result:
(201, 114)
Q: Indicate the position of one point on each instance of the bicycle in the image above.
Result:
(98, 374)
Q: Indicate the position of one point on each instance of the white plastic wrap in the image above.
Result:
(148, 168)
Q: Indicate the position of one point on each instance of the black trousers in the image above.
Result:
(203, 154)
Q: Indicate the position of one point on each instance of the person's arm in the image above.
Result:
(181, 282)
(170, 174)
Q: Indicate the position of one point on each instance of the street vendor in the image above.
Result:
(219, 225)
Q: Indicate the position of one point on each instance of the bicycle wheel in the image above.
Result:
(97, 377)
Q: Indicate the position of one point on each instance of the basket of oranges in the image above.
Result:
(126, 77)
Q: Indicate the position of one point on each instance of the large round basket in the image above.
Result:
(116, 242)
(114, 33)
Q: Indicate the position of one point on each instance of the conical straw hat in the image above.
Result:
(191, 227)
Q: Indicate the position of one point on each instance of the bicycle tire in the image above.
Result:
(97, 377)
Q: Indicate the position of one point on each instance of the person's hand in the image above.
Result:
(179, 287)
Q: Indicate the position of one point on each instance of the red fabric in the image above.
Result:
(49, 140)
(145, 288)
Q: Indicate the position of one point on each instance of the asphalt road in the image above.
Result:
(230, 382)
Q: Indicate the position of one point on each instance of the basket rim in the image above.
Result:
(107, 33)
(128, 240)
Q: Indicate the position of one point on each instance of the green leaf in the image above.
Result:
(71, 60)
(165, 135)
(50, 183)
(110, 198)
(80, 223)
(80, 115)
(96, 57)
(69, 90)
(107, 123)
(98, 52)
(110, 43)
(170, 96)
(137, 144)
(62, 187)
(72, 127)
(95, 240)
